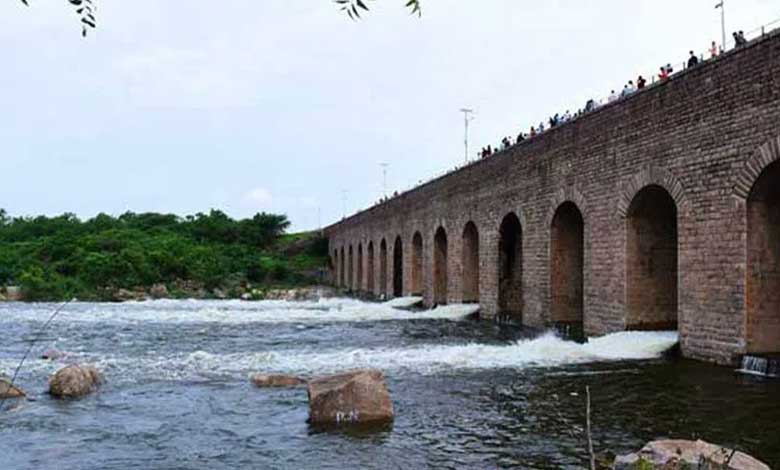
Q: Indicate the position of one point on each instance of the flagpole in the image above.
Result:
(722, 24)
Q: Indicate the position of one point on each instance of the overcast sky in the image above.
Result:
(282, 105)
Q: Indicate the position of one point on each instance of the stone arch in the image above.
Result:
(762, 293)
(360, 266)
(398, 267)
(567, 194)
(417, 264)
(652, 249)
(754, 166)
(350, 269)
(440, 280)
(651, 176)
(370, 272)
(567, 265)
(510, 268)
(757, 185)
(470, 263)
(383, 267)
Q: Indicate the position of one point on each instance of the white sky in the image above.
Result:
(281, 105)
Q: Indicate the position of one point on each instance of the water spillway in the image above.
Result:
(765, 365)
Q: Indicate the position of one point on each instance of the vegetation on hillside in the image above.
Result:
(53, 258)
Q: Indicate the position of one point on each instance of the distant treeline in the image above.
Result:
(54, 258)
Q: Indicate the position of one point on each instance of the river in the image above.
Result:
(467, 394)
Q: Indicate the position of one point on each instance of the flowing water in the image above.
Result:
(467, 394)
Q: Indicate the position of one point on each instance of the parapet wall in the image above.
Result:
(593, 241)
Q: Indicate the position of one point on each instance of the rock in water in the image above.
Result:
(9, 391)
(674, 454)
(74, 381)
(268, 381)
(52, 355)
(356, 397)
(159, 291)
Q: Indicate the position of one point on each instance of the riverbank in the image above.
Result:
(138, 256)
(188, 291)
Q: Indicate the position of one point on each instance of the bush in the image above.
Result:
(54, 258)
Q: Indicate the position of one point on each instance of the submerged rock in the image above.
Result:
(52, 354)
(356, 397)
(9, 391)
(270, 381)
(674, 454)
(74, 381)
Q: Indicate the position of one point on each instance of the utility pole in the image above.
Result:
(722, 23)
(384, 166)
(467, 116)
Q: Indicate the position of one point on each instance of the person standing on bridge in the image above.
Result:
(664, 75)
(693, 61)
(640, 82)
(713, 50)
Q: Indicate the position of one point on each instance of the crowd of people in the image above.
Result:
(665, 72)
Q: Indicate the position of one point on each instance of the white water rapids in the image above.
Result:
(237, 311)
(172, 362)
(545, 351)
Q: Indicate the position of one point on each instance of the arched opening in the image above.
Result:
(383, 267)
(651, 261)
(342, 274)
(566, 266)
(370, 268)
(350, 270)
(470, 263)
(360, 266)
(510, 269)
(763, 263)
(417, 263)
(398, 268)
(440, 267)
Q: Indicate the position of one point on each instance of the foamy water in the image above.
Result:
(467, 394)
(236, 311)
(547, 350)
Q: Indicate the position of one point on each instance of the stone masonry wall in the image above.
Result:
(704, 136)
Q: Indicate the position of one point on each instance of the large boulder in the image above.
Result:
(74, 381)
(275, 381)
(356, 397)
(676, 454)
(9, 391)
